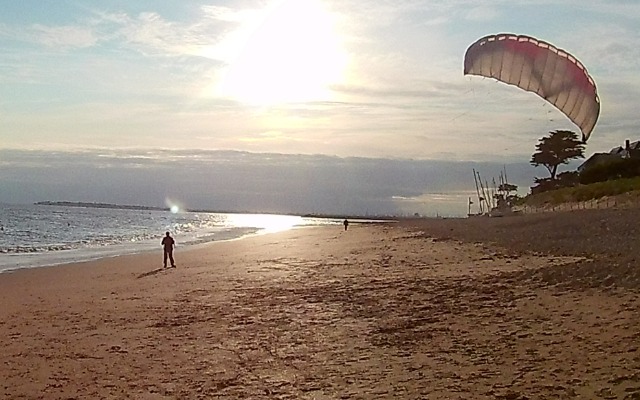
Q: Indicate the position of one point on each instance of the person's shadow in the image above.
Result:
(153, 272)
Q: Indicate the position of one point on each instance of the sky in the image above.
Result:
(295, 82)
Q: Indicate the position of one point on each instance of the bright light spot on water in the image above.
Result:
(175, 206)
(265, 222)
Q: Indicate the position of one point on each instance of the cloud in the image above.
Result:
(54, 37)
(483, 13)
(147, 32)
(219, 13)
(243, 181)
(145, 74)
(64, 36)
(153, 35)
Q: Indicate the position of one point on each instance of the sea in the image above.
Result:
(44, 235)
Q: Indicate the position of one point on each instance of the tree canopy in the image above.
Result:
(558, 148)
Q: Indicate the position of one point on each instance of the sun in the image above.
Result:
(293, 55)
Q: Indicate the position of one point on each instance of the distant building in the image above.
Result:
(598, 159)
(630, 150)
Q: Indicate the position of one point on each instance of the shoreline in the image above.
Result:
(29, 260)
(35, 235)
(32, 260)
(414, 309)
(16, 261)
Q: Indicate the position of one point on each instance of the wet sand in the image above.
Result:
(522, 307)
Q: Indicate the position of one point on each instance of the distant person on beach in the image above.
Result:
(346, 224)
(168, 243)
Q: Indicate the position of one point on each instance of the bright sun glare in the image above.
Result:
(174, 206)
(292, 56)
(267, 223)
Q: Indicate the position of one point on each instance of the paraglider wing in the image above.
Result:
(541, 68)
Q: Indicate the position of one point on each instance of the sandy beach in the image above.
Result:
(516, 308)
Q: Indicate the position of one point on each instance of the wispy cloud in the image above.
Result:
(64, 36)
(152, 34)
(483, 13)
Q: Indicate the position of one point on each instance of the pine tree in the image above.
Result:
(556, 149)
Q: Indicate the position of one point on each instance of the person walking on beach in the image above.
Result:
(168, 243)
(346, 224)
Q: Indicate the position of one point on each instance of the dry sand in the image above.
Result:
(526, 307)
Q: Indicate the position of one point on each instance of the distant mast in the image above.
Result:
(475, 179)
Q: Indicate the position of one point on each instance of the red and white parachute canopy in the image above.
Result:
(541, 68)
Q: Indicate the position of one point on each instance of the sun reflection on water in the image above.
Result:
(267, 223)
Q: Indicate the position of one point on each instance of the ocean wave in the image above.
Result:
(47, 235)
(35, 249)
